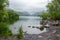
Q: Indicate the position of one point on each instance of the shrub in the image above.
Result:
(44, 16)
(9, 16)
(55, 16)
(4, 29)
(13, 16)
(20, 35)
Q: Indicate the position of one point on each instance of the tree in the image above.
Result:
(3, 12)
(54, 9)
(3, 4)
(44, 15)
(13, 16)
(7, 15)
(54, 6)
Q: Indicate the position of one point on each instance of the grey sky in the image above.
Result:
(28, 5)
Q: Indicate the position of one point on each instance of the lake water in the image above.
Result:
(26, 21)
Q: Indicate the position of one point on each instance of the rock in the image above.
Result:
(46, 27)
(33, 26)
(37, 27)
(39, 36)
(42, 28)
(29, 26)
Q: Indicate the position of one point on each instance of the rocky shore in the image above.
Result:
(49, 35)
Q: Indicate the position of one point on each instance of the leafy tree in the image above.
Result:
(54, 9)
(4, 29)
(3, 16)
(3, 12)
(13, 16)
(44, 15)
(3, 4)
(7, 15)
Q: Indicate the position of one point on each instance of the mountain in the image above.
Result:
(33, 13)
(37, 12)
(23, 13)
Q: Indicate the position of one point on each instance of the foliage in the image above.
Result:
(53, 8)
(44, 15)
(4, 30)
(55, 16)
(3, 4)
(3, 16)
(13, 16)
(7, 16)
(20, 35)
(3, 12)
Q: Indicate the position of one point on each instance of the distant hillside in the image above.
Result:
(24, 13)
(34, 13)
(27, 14)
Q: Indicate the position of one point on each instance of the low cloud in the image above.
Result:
(28, 5)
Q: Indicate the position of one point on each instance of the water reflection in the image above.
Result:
(30, 25)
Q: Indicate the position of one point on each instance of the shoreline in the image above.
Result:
(44, 36)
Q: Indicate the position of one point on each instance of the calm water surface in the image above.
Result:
(26, 21)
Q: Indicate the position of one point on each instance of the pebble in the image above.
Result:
(39, 36)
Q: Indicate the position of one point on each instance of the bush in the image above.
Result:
(13, 16)
(4, 29)
(20, 35)
(55, 16)
(9, 16)
(44, 15)
(3, 16)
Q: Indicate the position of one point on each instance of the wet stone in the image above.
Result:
(29, 26)
(33, 26)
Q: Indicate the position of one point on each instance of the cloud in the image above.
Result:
(28, 5)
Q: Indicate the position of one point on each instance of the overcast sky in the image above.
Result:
(28, 5)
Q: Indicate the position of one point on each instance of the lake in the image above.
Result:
(26, 21)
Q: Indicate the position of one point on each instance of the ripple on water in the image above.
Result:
(25, 21)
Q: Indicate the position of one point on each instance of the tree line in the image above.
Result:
(7, 17)
(53, 10)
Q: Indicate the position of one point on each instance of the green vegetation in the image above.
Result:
(20, 35)
(13, 16)
(44, 15)
(53, 10)
(53, 13)
(3, 4)
(4, 30)
(7, 17)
